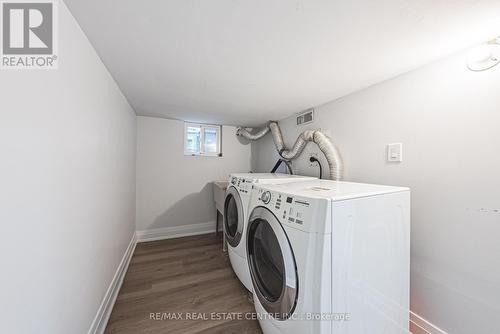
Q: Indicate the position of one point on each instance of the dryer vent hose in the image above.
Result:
(319, 138)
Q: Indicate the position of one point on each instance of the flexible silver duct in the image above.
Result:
(252, 136)
(324, 143)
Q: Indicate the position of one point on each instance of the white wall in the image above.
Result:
(174, 189)
(448, 119)
(67, 205)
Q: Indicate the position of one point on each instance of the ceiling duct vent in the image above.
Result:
(306, 117)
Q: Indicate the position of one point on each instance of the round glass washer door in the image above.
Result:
(272, 264)
(233, 217)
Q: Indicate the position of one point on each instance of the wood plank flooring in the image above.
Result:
(187, 275)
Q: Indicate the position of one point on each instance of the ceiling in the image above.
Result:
(245, 62)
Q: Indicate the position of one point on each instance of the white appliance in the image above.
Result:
(330, 257)
(236, 203)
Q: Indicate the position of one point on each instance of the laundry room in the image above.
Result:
(236, 166)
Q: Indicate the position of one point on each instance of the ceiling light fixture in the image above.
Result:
(484, 56)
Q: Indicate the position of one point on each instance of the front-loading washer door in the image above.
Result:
(272, 264)
(233, 217)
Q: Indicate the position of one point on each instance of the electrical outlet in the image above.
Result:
(311, 155)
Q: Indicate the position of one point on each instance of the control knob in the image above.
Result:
(265, 197)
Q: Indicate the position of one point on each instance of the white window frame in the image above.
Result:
(202, 128)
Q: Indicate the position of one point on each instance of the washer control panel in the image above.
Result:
(243, 185)
(296, 212)
(300, 212)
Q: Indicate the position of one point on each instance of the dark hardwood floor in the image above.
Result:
(182, 286)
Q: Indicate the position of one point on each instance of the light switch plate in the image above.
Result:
(395, 152)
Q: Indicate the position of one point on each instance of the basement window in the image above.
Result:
(202, 139)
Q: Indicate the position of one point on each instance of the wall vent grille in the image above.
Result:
(306, 117)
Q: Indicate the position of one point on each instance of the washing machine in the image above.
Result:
(330, 257)
(236, 203)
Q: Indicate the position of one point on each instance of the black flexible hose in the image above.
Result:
(278, 163)
(313, 159)
(276, 166)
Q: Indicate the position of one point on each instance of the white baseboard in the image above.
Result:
(175, 231)
(422, 326)
(101, 319)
